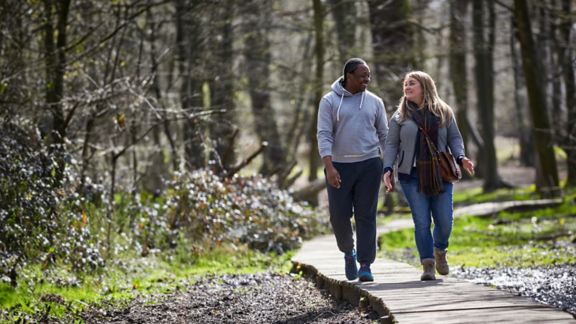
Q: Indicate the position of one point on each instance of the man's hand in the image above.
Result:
(333, 177)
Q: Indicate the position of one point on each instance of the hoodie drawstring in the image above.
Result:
(340, 104)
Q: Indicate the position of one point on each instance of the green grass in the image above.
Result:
(467, 197)
(521, 239)
(63, 294)
(477, 196)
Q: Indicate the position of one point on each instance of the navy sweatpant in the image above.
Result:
(358, 196)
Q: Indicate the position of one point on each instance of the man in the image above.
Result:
(352, 130)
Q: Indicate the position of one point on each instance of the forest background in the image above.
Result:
(158, 125)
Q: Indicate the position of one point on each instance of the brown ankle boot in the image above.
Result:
(441, 262)
(429, 272)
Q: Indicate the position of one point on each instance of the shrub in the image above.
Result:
(28, 195)
(46, 215)
(38, 217)
(250, 210)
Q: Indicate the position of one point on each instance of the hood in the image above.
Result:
(342, 92)
(339, 89)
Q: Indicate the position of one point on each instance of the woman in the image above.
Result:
(421, 110)
(352, 129)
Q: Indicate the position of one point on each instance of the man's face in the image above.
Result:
(358, 80)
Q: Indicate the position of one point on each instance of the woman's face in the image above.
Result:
(413, 91)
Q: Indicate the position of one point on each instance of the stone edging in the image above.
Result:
(344, 290)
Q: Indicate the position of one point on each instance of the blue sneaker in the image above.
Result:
(350, 266)
(365, 274)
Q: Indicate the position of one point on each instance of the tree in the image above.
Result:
(319, 76)
(257, 15)
(458, 75)
(14, 34)
(55, 42)
(484, 75)
(520, 102)
(190, 50)
(158, 168)
(547, 183)
(345, 20)
(566, 62)
(223, 129)
(392, 43)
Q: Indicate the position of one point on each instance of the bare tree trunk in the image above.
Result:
(484, 72)
(111, 203)
(543, 39)
(300, 123)
(88, 128)
(189, 51)
(55, 59)
(319, 76)
(566, 61)
(547, 184)
(157, 168)
(258, 60)
(345, 20)
(392, 43)
(520, 102)
(555, 67)
(458, 75)
(223, 127)
(11, 94)
(421, 8)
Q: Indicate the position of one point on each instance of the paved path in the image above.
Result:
(398, 295)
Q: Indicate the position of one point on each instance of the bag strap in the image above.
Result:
(428, 139)
(431, 144)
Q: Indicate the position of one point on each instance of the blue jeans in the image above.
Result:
(358, 197)
(425, 209)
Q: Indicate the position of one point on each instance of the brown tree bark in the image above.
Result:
(157, 169)
(520, 102)
(55, 42)
(484, 74)
(223, 128)
(551, 42)
(566, 61)
(547, 183)
(458, 75)
(319, 76)
(345, 21)
(257, 15)
(299, 126)
(393, 46)
(12, 62)
(189, 52)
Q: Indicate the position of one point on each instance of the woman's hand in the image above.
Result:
(388, 182)
(333, 177)
(468, 165)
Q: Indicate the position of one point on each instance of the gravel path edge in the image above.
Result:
(344, 290)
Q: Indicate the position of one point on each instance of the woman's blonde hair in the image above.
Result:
(430, 99)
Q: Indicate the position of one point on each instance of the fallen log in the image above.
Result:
(310, 192)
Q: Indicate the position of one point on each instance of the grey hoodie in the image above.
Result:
(351, 127)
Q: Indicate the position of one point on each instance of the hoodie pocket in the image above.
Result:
(401, 158)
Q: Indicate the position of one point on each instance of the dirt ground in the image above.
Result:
(255, 298)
